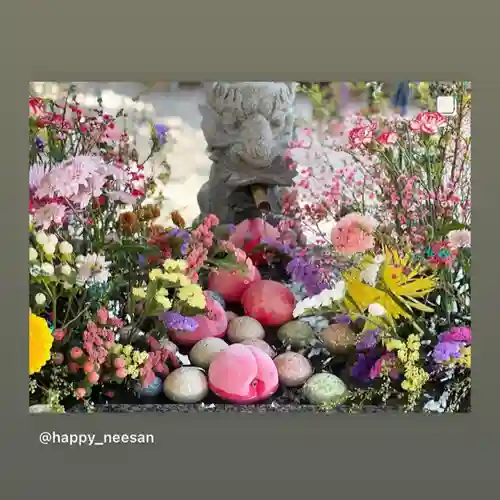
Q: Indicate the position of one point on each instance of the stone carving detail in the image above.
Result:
(247, 126)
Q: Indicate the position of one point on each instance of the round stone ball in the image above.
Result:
(244, 328)
(293, 369)
(324, 388)
(203, 351)
(152, 390)
(337, 338)
(262, 345)
(296, 333)
(187, 384)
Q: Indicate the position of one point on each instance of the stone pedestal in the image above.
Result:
(247, 126)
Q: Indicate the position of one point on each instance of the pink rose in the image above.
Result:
(353, 233)
(428, 122)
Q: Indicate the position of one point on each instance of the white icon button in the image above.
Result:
(445, 105)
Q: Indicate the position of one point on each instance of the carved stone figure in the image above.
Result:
(247, 126)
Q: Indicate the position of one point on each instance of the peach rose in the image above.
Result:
(353, 233)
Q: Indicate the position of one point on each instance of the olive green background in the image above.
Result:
(249, 456)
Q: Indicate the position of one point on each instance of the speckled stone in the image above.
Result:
(261, 344)
(337, 338)
(187, 384)
(296, 333)
(324, 388)
(203, 352)
(244, 328)
(293, 369)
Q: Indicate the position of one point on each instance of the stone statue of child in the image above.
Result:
(247, 126)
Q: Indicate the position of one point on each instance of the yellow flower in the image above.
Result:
(165, 302)
(127, 350)
(139, 293)
(41, 340)
(397, 284)
(154, 274)
(393, 344)
(175, 265)
(193, 295)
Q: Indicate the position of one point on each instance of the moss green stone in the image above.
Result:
(296, 333)
(324, 388)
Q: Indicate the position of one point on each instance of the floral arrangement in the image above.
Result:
(107, 280)
(358, 294)
(392, 215)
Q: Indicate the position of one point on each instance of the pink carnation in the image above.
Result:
(353, 233)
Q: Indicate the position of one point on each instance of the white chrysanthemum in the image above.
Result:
(47, 268)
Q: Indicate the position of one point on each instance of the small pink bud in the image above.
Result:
(88, 367)
(59, 334)
(93, 377)
(76, 353)
(73, 367)
(80, 392)
(102, 316)
(118, 363)
(121, 373)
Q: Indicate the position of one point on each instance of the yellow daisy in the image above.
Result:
(41, 340)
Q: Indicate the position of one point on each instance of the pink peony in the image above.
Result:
(231, 284)
(353, 233)
(269, 302)
(243, 374)
(213, 323)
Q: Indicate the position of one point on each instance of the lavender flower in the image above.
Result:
(445, 351)
(368, 340)
(176, 321)
(39, 143)
(302, 271)
(160, 132)
(363, 365)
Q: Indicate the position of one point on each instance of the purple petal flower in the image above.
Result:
(176, 321)
(368, 340)
(303, 271)
(160, 131)
(445, 351)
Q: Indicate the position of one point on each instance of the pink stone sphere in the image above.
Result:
(231, 284)
(243, 374)
(212, 323)
(269, 302)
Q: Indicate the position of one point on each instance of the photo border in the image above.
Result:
(272, 455)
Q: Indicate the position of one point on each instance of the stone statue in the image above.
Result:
(247, 126)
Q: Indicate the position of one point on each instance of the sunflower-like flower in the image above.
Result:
(399, 286)
(41, 340)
